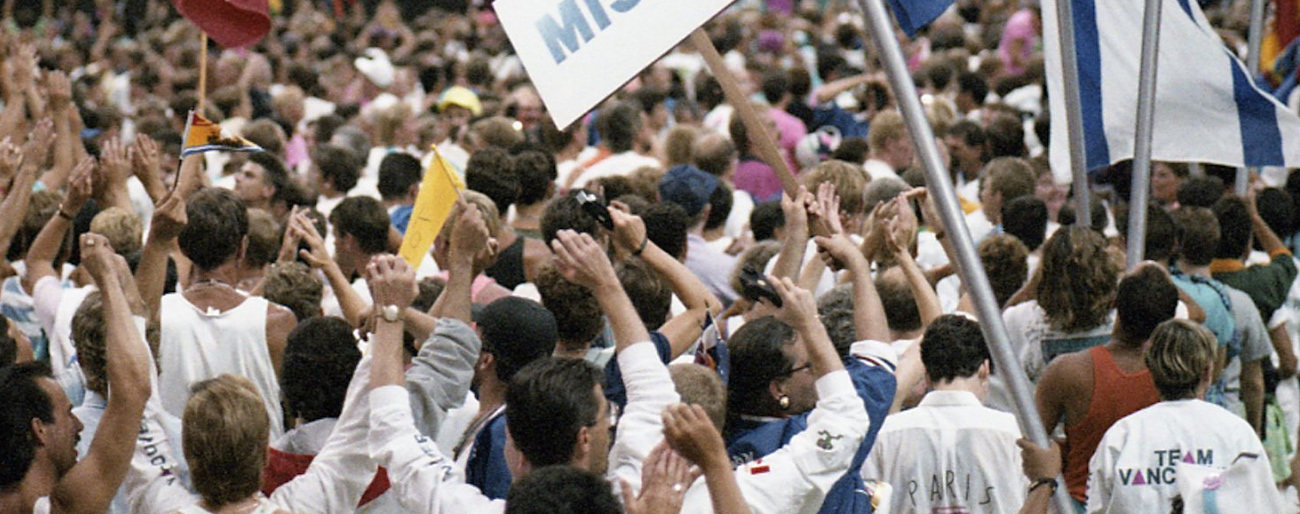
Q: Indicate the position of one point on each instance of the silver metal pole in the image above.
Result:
(881, 30)
(1074, 113)
(1146, 116)
(1255, 40)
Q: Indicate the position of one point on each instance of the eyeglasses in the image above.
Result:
(807, 365)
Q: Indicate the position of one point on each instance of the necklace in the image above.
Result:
(210, 282)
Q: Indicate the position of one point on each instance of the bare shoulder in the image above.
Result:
(279, 315)
(1068, 371)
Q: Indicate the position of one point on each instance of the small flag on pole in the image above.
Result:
(438, 193)
(202, 135)
(231, 23)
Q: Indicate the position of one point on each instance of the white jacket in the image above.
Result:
(1135, 467)
(795, 478)
(333, 484)
(950, 452)
(424, 479)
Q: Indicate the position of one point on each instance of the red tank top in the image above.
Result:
(1115, 394)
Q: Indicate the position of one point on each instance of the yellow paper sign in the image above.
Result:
(438, 193)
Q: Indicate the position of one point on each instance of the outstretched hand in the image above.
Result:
(80, 186)
(665, 477)
(691, 433)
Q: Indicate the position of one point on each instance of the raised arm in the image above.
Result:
(1268, 240)
(67, 145)
(799, 310)
(683, 329)
(146, 160)
(40, 257)
(151, 274)
(581, 261)
(20, 191)
(469, 239)
(419, 473)
(115, 169)
(317, 256)
(17, 79)
(92, 482)
(441, 372)
(839, 252)
(898, 239)
(790, 260)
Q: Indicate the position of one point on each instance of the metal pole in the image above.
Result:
(1255, 40)
(881, 30)
(1074, 113)
(1146, 116)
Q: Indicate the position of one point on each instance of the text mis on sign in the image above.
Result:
(577, 52)
(562, 34)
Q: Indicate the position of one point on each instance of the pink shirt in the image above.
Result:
(792, 131)
(758, 179)
(1019, 28)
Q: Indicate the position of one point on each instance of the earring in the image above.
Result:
(784, 402)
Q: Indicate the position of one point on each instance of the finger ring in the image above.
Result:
(90, 242)
(677, 488)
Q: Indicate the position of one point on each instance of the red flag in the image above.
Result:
(231, 23)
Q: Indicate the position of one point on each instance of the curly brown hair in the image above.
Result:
(1079, 279)
(577, 314)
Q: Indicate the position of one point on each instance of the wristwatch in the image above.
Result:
(391, 313)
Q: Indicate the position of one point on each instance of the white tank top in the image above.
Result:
(198, 345)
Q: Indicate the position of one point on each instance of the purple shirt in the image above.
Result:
(758, 179)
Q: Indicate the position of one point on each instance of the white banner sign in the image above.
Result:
(577, 52)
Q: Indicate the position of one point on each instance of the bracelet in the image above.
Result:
(63, 214)
(644, 241)
(1044, 481)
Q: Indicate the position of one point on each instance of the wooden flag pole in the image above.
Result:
(767, 147)
(203, 73)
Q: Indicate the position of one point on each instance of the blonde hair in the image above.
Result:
(225, 429)
(1179, 357)
(121, 227)
(850, 181)
(701, 386)
(886, 126)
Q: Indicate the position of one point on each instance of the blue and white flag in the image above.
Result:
(913, 15)
(1207, 108)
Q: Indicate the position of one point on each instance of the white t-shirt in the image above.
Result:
(617, 165)
(1037, 343)
(979, 226)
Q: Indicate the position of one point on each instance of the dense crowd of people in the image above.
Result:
(630, 314)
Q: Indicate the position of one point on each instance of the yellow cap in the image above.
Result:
(460, 97)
